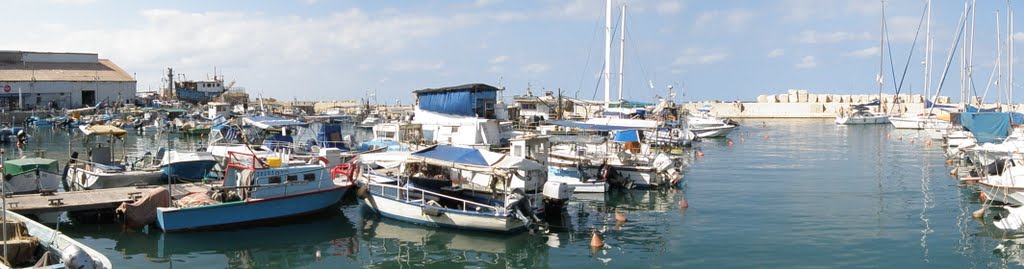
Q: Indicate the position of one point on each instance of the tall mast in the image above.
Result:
(999, 57)
(928, 53)
(607, 52)
(963, 62)
(1009, 53)
(881, 57)
(622, 48)
(970, 58)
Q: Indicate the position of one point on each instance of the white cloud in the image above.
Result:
(481, 3)
(406, 66)
(1018, 36)
(698, 56)
(730, 20)
(669, 7)
(775, 53)
(807, 62)
(813, 37)
(499, 59)
(863, 53)
(802, 10)
(535, 68)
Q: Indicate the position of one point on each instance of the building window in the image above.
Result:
(529, 106)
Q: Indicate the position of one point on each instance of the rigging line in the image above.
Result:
(949, 58)
(909, 57)
(637, 58)
(590, 50)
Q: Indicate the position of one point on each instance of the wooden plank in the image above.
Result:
(90, 199)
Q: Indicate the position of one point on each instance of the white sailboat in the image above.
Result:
(862, 114)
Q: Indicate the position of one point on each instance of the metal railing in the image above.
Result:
(402, 193)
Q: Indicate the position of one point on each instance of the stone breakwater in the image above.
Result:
(801, 104)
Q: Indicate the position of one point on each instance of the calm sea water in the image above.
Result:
(785, 194)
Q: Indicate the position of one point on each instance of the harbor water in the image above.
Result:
(783, 194)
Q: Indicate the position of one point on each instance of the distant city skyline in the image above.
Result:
(332, 50)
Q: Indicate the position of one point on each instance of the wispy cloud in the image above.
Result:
(698, 56)
(482, 3)
(807, 62)
(669, 7)
(723, 20)
(863, 53)
(813, 37)
(776, 53)
(535, 68)
(499, 59)
(407, 66)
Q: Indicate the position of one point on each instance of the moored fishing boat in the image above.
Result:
(101, 170)
(31, 244)
(256, 189)
(187, 165)
(30, 175)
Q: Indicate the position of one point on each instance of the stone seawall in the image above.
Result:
(802, 110)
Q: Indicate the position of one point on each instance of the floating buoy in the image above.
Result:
(949, 161)
(619, 217)
(700, 153)
(929, 143)
(765, 137)
(730, 143)
(952, 172)
(318, 255)
(980, 213)
(683, 203)
(983, 197)
(595, 241)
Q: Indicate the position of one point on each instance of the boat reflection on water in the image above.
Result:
(389, 243)
(298, 243)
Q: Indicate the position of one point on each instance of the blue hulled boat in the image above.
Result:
(256, 189)
(187, 165)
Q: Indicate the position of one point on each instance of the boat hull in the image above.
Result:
(32, 182)
(81, 179)
(573, 178)
(861, 120)
(252, 210)
(414, 213)
(1008, 195)
(710, 132)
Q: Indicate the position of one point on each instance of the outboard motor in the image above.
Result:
(74, 257)
(522, 209)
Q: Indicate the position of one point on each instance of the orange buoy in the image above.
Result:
(619, 217)
(730, 143)
(983, 197)
(683, 203)
(765, 137)
(700, 153)
(929, 143)
(595, 241)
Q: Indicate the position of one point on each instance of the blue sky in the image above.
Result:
(319, 49)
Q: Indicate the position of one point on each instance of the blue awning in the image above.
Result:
(453, 154)
(627, 136)
(588, 126)
(267, 122)
(990, 127)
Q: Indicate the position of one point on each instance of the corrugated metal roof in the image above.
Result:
(104, 70)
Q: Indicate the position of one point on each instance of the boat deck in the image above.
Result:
(89, 199)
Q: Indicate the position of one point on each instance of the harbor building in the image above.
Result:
(57, 80)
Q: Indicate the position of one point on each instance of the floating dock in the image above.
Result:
(90, 199)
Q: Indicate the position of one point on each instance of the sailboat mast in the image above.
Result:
(928, 52)
(881, 57)
(999, 58)
(622, 48)
(607, 52)
(1009, 53)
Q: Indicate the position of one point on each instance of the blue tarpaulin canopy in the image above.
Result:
(471, 159)
(627, 136)
(267, 122)
(990, 127)
(588, 126)
(465, 100)
(978, 109)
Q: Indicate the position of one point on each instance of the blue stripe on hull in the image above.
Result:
(241, 212)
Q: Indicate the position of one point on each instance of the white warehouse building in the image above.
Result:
(45, 80)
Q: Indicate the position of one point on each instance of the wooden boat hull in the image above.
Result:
(251, 210)
(81, 179)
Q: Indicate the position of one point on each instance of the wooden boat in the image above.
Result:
(101, 171)
(187, 165)
(256, 189)
(28, 243)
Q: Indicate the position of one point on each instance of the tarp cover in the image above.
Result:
(588, 126)
(470, 159)
(143, 211)
(458, 100)
(989, 127)
(102, 130)
(266, 122)
(978, 109)
(18, 166)
(627, 136)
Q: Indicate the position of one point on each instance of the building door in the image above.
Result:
(88, 98)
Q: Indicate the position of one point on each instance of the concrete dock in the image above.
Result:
(90, 199)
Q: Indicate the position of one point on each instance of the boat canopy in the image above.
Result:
(470, 159)
(268, 122)
(465, 100)
(990, 127)
(588, 126)
(103, 130)
(979, 109)
(627, 136)
(18, 166)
